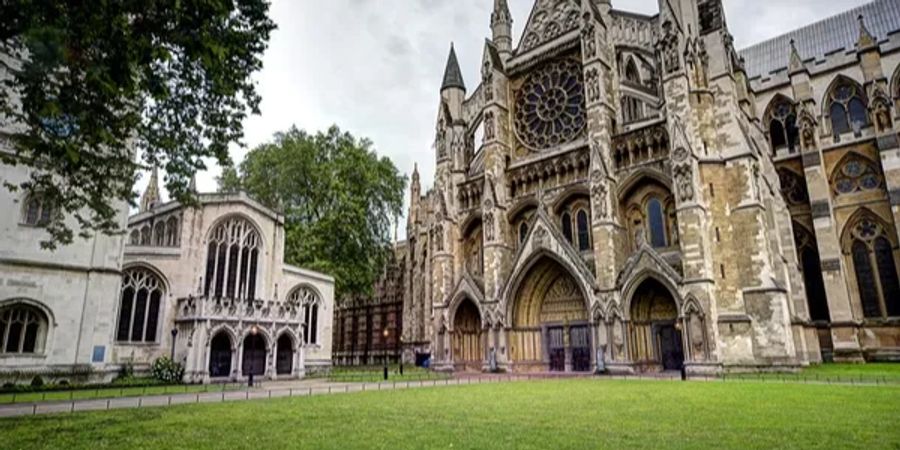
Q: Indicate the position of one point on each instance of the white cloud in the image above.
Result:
(374, 67)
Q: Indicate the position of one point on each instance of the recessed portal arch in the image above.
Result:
(654, 337)
(550, 322)
(467, 340)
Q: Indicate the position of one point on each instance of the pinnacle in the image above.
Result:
(452, 75)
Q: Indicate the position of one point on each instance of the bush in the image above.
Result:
(166, 370)
(37, 381)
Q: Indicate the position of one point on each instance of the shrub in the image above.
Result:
(37, 381)
(166, 370)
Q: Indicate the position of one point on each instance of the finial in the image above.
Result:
(866, 39)
(796, 62)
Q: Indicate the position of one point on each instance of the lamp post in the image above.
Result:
(253, 331)
(386, 334)
(400, 352)
(174, 333)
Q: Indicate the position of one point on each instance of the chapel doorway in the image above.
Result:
(284, 360)
(467, 344)
(220, 356)
(550, 322)
(655, 341)
(254, 360)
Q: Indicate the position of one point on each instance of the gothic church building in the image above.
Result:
(633, 192)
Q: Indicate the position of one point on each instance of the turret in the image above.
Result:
(501, 27)
(453, 89)
(415, 196)
(151, 199)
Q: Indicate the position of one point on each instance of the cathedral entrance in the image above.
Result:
(467, 345)
(220, 356)
(254, 360)
(284, 361)
(550, 322)
(655, 341)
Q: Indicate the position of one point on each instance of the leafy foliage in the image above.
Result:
(87, 84)
(338, 197)
(167, 371)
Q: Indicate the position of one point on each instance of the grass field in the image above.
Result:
(869, 372)
(110, 392)
(374, 374)
(588, 413)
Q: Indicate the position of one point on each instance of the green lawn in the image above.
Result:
(374, 374)
(870, 372)
(587, 413)
(110, 392)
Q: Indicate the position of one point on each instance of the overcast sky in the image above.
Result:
(374, 67)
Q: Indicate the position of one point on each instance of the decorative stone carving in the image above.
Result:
(550, 106)
(588, 36)
(489, 226)
(551, 19)
(592, 85)
(684, 181)
(598, 192)
(489, 132)
(881, 112)
(541, 237)
(487, 77)
(668, 47)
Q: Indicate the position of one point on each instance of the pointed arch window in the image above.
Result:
(793, 186)
(856, 174)
(657, 222)
(307, 299)
(232, 261)
(782, 120)
(139, 306)
(566, 223)
(811, 266)
(872, 253)
(584, 235)
(847, 108)
(172, 232)
(523, 232)
(37, 212)
(23, 329)
(159, 234)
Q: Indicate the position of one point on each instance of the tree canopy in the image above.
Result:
(338, 197)
(88, 85)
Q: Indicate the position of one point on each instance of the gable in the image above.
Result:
(549, 20)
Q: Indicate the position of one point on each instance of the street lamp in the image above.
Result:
(253, 331)
(174, 333)
(386, 334)
(400, 343)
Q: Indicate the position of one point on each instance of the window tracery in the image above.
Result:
(233, 260)
(139, 306)
(856, 174)
(306, 298)
(793, 186)
(783, 131)
(550, 106)
(37, 212)
(23, 329)
(872, 254)
(847, 108)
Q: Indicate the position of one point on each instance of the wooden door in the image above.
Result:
(557, 348)
(580, 341)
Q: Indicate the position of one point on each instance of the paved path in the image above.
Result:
(306, 388)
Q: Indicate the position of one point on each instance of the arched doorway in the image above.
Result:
(220, 355)
(467, 346)
(284, 359)
(550, 328)
(254, 360)
(655, 339)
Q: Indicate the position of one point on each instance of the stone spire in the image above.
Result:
(796, 62)
(151, 195)
(452, 75)
(866, 40)
(501, 27)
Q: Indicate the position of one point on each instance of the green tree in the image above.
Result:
(86, 85)
(338, 197)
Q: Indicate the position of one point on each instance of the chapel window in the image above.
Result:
(159, 234)
(856, 174)
(872, 254)
(656, 219)
(782, 120)
(232, 260)
(139, 306)
(523, 232)
(584, 236)
(37, 211)
(306, 298)
(847, 108)
(172, 232)
(23, 329)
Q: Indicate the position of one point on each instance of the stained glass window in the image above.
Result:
(782, 119)
(22, 329)
(865, 279)
(139, 306)
(656, 219)
(856, 174)
(584, 236)
(887, 273)
(550, 106)
(523, 232)
(848, 108)
(228, 274)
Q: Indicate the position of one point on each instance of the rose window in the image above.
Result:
(550, 106)
(857, 175)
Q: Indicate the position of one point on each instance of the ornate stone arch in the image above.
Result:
(637, 178)
(631, 286)
(150, 268)
(781, 116)
(230, 232)
(261, 331)
(855, 172)
(831, 94)
(534, 258)
(291, 334)
(229, 331)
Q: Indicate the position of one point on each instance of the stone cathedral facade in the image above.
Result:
(634, 188)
